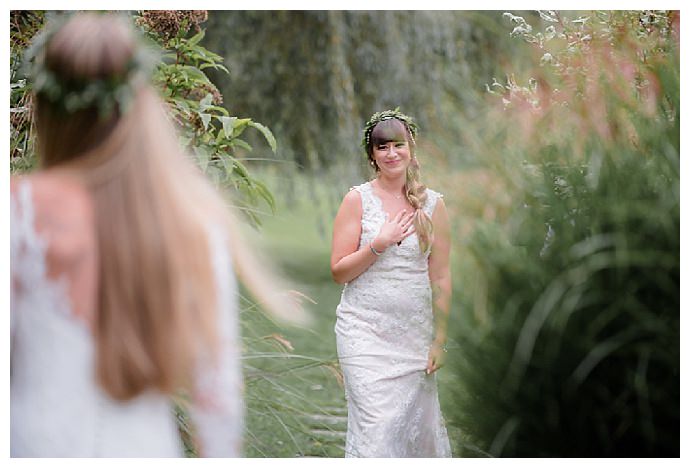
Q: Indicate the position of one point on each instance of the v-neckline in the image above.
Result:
(379, 200)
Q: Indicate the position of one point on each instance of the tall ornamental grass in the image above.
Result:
(571, 344)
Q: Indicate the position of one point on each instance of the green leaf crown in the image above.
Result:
(70, 95)
(388, 115)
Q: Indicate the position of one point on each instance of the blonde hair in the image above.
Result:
(415, 191)
(156, 310)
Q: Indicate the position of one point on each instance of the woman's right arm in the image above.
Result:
(348, 261)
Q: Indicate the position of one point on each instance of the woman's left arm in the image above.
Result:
(439, 276)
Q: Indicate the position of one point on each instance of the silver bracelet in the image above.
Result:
(373, 250)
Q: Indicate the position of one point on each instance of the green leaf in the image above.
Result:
(222, 110)
(265, 193)
(241, 143)
(205, 118)
(240, 125)
(240, 170)
(220, 138)
(227, 161)
(184, 140)
(194, 74)
(194, 40)
(229, 124)
(268, 135)
(202, 157)
(215, 66)
(181, 104)
(206, 102)
(214, 173)
(211, 55)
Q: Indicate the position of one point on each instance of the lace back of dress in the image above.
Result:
(24, 242)
(27, 248)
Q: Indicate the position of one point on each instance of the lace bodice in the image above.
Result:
(396, 287)
(384, 330)
(57, 409)
(399, 260)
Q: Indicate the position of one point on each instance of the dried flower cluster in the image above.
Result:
(169, 23)
(203, 89)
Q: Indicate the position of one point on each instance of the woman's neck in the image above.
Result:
(391, 185)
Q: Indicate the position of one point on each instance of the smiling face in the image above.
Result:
(390, 147)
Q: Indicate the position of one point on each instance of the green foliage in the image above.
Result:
(207, 129)
(576, 349)
(23, 27)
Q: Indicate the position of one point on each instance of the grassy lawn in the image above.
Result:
(296, 404)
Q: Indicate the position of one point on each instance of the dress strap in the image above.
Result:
(366, 195)
(432, 198)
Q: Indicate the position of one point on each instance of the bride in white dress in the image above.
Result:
(391, 241)
(122, 286)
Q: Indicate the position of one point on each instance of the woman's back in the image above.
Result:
(57, 406)
(123, 291)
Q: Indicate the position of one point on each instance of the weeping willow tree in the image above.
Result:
(315, 76)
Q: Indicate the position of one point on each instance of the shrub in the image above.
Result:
(576, 349)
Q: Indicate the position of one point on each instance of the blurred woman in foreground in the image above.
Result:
(122, 256)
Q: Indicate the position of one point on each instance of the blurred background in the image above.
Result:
(554, 136)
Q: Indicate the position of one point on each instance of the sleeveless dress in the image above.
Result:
(384, 330)
(56, 407)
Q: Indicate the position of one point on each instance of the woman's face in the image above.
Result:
(392, 157)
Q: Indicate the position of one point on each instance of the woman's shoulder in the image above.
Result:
(52, 188)
(58, 197)
(353, 198)
(60, 207)
(432, 198)
(361, 188)
(433, 193)
(354, 201)
(356, 192)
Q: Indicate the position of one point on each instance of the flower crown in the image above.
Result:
(107, 94)
(388, 115)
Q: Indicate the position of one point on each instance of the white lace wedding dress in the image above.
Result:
(56, 407)
(384, 331)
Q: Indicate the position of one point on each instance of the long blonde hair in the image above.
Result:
(156, 309)
(415, 191)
